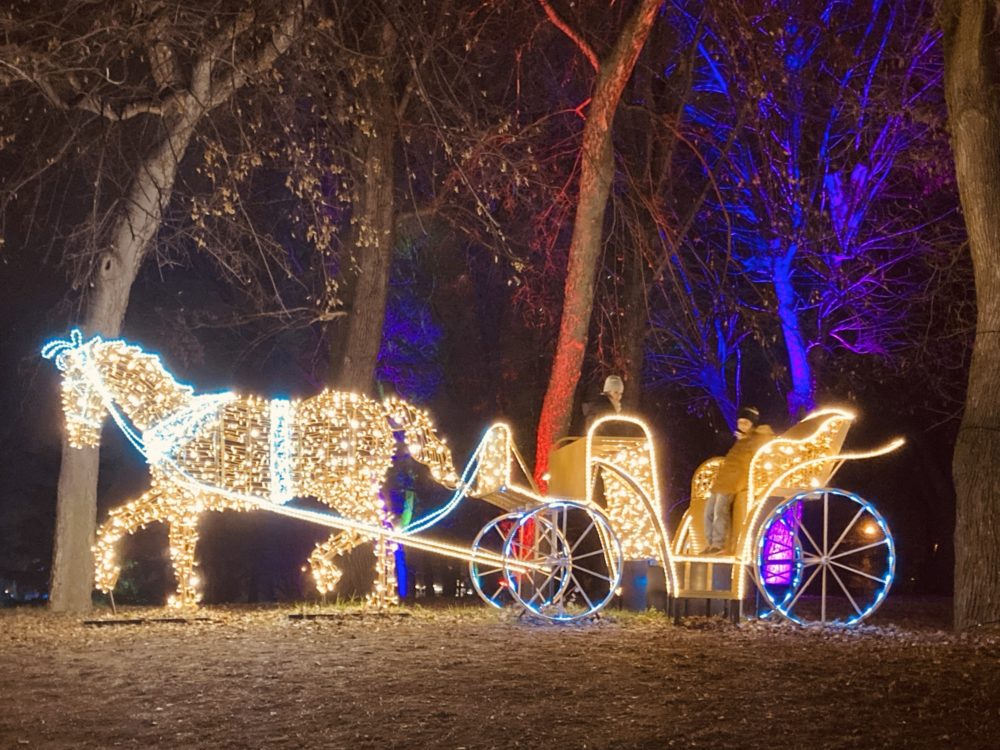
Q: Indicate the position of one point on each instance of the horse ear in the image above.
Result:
(57, 349)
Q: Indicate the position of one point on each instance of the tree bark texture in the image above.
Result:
(133, 231)
(972, 75)
(373, 233)
(76, 504)
(801, 397)
(374, 238)
(596, 173)
(636, 323)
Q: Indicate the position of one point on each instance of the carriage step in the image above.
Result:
(716, 594)
(707, 559)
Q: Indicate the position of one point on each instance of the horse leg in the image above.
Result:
(325, 574)
(386, 591)
(183, 536)
(122, 521)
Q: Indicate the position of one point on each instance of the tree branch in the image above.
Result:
(292, 15)
(573, 35)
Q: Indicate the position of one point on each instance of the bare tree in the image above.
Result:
(596, 174)
(972, 70)
(162, 67)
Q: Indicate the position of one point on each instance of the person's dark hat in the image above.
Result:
(749, 412)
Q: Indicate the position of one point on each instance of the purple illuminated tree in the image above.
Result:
(817, 184)
(817, 231)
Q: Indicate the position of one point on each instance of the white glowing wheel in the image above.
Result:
(556, 563)
(486, 569)
(824, 556)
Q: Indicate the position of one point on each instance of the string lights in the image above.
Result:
(628, 470)
(805, 457)
(226, 451)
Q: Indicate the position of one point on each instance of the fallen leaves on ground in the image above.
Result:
(468, 677)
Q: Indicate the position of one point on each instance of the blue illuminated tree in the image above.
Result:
(817, 185)
(409, 357)
(814, 227)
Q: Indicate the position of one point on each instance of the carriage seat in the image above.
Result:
(820, 434)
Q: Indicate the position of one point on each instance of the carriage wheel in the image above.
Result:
(825, 556)
(487, 575)
(564, 574)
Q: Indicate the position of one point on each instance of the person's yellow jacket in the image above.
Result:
(733, 474)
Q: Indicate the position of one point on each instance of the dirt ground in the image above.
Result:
(473, 678)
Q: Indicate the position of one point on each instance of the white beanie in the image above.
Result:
(613, 384)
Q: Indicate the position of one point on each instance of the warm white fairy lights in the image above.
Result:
(224, 451)
(805, 457)
(632, 498)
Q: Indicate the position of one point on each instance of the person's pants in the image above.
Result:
(718, 519)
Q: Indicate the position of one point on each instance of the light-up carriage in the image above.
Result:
(815, 553)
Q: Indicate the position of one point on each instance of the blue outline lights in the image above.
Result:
(822, 552)
(282, 418)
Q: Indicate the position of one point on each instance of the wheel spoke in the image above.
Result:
(594, 573)
(588, 554)
(802, 588)
(857, 572)
(583, 536)
(844, 589)
(804, 530)
(846, 529)
(826, 530)
(548, 579)
(822, 600)
(879, 543)
(539, 590)
(590, 604)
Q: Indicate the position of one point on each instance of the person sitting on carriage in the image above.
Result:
(608, 402)
(732, 477)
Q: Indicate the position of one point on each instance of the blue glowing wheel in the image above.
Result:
(824, 556)
(486, 568)
(562, 561)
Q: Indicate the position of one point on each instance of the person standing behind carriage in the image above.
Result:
(733, 476)
(609, 402)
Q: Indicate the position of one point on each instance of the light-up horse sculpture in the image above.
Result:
(226, 451)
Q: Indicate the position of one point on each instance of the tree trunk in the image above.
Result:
(972, 74)
(374, 230)
(802, 394)
(636, 323)
(596, 173)
(76, 503)
(374, 236)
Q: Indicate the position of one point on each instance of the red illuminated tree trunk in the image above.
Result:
(972, 74)
(596, 173)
